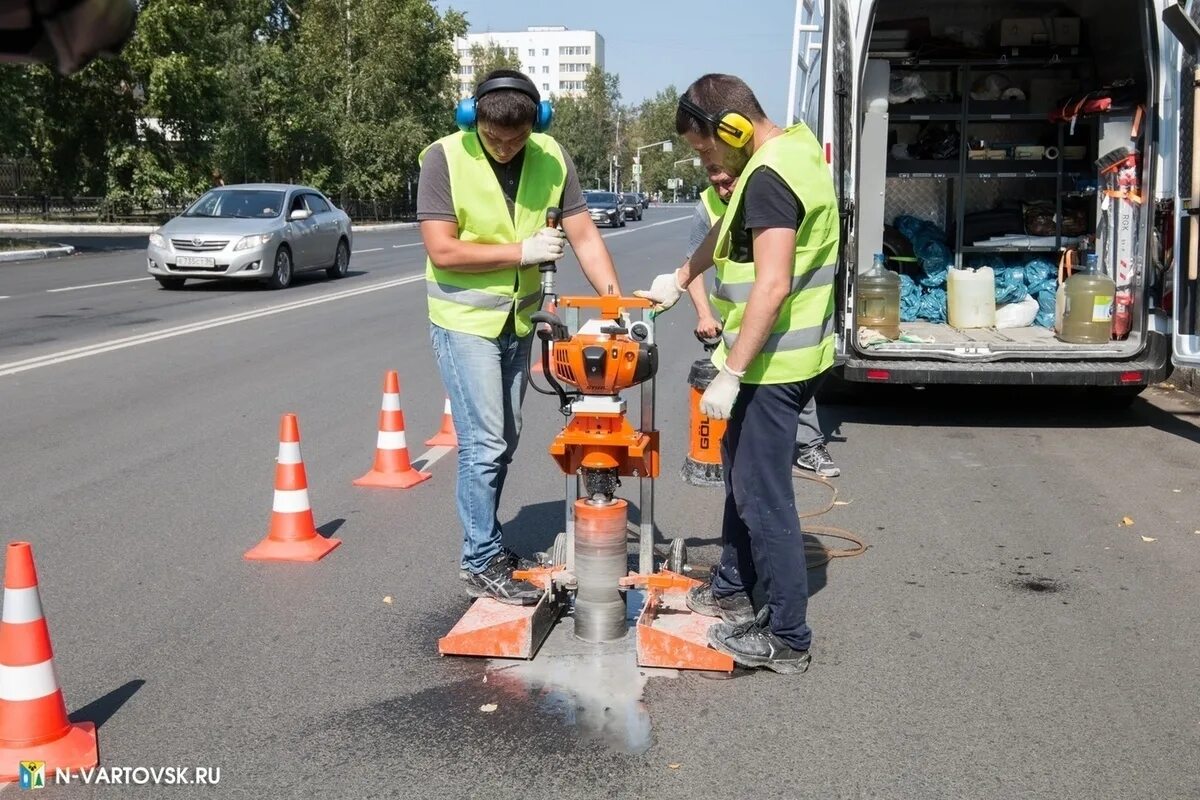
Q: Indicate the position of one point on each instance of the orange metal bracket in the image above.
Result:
(669, 634)
(491, 628)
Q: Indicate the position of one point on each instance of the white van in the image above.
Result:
(984, 123)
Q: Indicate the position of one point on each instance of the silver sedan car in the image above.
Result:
(255, 231)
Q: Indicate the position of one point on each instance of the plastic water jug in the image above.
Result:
(877, 299)
(1088, 312)
(972, 298)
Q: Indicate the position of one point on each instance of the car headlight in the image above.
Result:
(257, 240)
(157, 240)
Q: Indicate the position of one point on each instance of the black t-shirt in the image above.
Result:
(508, 175)
(767, 202)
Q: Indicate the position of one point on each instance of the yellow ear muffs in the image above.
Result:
(731, 127)
(734, 129)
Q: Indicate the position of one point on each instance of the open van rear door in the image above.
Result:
(821, 95)
(1181, 21)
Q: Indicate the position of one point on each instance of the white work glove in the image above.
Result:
(718, 399)
(664, 291)
(547, 244)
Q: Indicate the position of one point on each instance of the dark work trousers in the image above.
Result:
(761, 531)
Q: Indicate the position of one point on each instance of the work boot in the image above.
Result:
(752, 644)
(496, 581)
(816, 459)
(735, 608)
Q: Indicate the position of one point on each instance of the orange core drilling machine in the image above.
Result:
(587, 370)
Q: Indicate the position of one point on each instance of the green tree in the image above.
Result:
(587, 126)
(654, 121)
(490, 57)
(381, 73)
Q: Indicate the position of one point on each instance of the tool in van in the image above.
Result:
(1120, 207)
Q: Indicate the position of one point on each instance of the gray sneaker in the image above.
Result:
(515, 561)
(496, 581)
(816, 459)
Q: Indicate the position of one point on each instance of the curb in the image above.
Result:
(386, 226)
(30, 255)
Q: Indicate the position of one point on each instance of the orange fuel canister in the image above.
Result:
(702, 467)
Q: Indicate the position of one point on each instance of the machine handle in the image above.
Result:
(553, 217)
(709, 344)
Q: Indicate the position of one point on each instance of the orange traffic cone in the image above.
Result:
(33, 717)
(393, 469)
(291, 536)
(445, 437)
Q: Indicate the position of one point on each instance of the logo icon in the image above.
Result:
(197, 241)
(32, 774)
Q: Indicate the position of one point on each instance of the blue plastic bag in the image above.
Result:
(929, 245)
(910, 299)
(1010, 285)
(933, 305)
(1046, 300)
(1037, 272)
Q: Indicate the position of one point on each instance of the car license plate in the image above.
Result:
(199, 262)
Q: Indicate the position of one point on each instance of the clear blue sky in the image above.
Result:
(654, 43)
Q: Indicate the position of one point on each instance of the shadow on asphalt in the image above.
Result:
(102, 710)
(534, 527)
(998, 407)
(229, 285)
(330, 528)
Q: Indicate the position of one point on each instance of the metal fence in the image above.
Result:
(51, 208)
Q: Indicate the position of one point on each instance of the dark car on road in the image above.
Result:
(605, 208)
(631, 206)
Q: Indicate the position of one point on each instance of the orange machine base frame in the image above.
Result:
(669, 634)
(492, 629)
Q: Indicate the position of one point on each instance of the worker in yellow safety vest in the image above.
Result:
(811, 453)
(775, 253)
(481, 204)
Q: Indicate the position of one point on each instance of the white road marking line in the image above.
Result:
(414, 244)
(644, 227)
(369, 250)
(431, 457)
(5, 296)
(97, 285)
(12, 368)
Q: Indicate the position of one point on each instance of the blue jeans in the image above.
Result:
(486, 380)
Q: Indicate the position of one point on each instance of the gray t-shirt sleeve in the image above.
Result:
(434, 199)
(572, 199)
(699, 229)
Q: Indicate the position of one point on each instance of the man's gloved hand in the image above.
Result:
(547, 244)
(718, 399)
(664, 291)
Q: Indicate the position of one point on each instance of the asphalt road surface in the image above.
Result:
(1004, 636)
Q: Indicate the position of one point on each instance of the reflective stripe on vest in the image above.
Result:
(740, 292)
(480, 302)
(800, 345)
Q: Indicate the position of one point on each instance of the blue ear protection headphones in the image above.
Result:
(465, 116)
